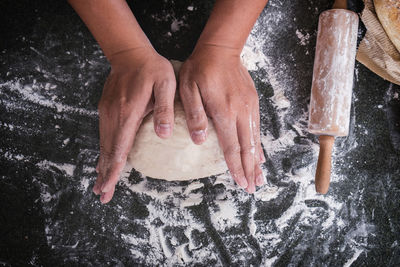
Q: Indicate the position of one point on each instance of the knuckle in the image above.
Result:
(248, 150)
(186, 89)
(196, 115)
(115, 154)
(167, 84)
(107, 155)
(229, 101)
(231, 150)
(162, 110)
(247, 104)
(114, 104)
(115, 149)
(250, 100)
(225, 116)
(236, 171)
(232, 106)
(119, 110)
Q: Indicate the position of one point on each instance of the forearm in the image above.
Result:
(230, 23)
(112, 24)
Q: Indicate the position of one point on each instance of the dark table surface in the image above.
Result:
(52, 72)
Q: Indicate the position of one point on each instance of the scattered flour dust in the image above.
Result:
(303, 38)
(253, 58)
(68, 169)
(29, 93)
(224, 214)
(176, 200)
(180, 197)
(177, 24)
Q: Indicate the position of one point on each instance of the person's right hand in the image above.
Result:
(140, 81)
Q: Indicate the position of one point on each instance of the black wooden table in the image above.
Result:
(51, 76)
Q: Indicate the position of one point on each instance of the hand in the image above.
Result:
(214, 83)
(140, 80)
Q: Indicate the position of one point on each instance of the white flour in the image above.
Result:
(293, 229)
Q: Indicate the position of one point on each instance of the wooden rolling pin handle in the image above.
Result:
(340, 4)
(323, 174)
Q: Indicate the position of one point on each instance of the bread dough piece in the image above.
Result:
(176, 158)
(388, 12)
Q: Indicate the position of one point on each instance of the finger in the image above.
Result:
(262, 157)
(258, 177)
(259, 156)
(256, 137)
(97, 185)
(119, 141)
(115, 159)
(196, 117)
(106, 197)
(112, 175)
(247, 149)
(258, 174)
(99, 180)
(257, 134)
(230, 146)
(164, 94)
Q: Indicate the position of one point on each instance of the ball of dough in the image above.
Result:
(176, 158)
(388, 12)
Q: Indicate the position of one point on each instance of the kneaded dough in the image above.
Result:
(176, 158)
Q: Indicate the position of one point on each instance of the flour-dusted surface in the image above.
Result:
(51, 77)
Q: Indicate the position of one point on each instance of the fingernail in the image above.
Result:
(199, 136)
(251, 189)
(102, 199)
(105, 188)
(96, 189)
(164, 129)
(243, 182)
(262, 157)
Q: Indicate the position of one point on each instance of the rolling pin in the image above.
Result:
(332, 84)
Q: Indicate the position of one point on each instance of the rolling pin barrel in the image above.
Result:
(332, 83)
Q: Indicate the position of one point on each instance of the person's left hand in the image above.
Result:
(214, 83)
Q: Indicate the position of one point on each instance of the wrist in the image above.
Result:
(135, 54)
(216, 50)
